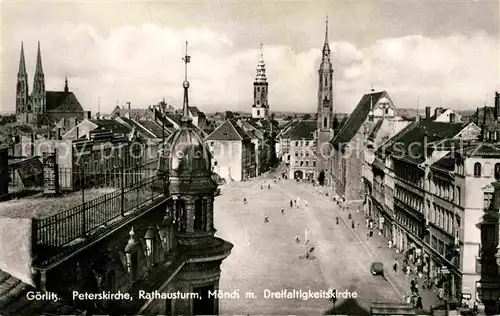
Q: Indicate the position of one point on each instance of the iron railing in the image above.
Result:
(77, 222)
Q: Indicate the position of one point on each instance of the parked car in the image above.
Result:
(377, 268)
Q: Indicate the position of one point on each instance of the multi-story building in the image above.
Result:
(283, 141)
(374, 117)
(44, 108)
(262, 146)
(148, 244)
(233, 152)
(426, 215)
(302, 151)
(443, 115)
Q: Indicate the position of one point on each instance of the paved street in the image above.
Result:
(266, 256)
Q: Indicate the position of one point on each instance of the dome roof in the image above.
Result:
(185, 152)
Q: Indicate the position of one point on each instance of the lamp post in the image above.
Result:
(150, 238)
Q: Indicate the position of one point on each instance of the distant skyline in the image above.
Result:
(441, 53)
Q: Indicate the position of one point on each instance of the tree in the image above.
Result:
(229, 115)
(321, 177)
(306, 116)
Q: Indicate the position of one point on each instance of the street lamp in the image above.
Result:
(150, 238)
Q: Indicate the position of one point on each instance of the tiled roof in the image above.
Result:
(483, 149)
(13, 300)
(195, 111)
(446, 163)
(303, 130)
(132, 112)
(421, 132)
(155, 128)
(228, 130)
(61, 101)
(357, 117)
(112, 125)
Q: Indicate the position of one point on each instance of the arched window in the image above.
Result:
(325, 122)
(326, 80)
(497, 171)
(477, 170)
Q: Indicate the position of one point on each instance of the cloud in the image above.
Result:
(144, 64)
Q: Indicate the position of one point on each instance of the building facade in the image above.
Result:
(302, 150)
(260, 107)
(372, 122)
(233, 152)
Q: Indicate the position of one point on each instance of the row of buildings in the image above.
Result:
(429, 183)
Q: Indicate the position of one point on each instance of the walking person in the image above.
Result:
(371, 233)
(297, 239)
(291, 203)
(266, 219)
(395, 265)
(419, 304)
(353, 224)
(282, 211)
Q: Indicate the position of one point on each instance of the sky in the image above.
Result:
(422, 53)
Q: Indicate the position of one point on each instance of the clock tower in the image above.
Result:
(324, 132)
(260, 108)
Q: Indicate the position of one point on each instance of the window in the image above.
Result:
(199, 216)
(296, 154)
(477, 170)
(215, 163)
(307, 143)
(314, 163)
(497, 171)
(307, 163)
(296, 143)
(325, 122)
(258, 89)
(326, 80)
(459, 196)
(387, 111)
(301, 163)
(258, 111)
(307, 154)
(211, 144)
(487, 199)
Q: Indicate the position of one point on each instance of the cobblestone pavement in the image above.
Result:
(380, 251)
(266, 255)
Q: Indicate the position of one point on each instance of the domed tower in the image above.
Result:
(186, 161)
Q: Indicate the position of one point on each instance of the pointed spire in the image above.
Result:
(22, 63)
(185, 107)
(39, 68)
(66, 89)
(326, 31)
(261, 54)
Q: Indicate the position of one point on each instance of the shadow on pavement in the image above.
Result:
(348, 307)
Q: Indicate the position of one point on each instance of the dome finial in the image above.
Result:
(185, 107)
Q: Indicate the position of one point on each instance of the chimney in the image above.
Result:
(497, 105)
(32, 145)
(452, 118)
(427, 112)
(88, 115)
(128, 105)
(58, 133)
(77, 133)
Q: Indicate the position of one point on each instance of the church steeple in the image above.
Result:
(185, 106)
(66, 89)
(38, 94)
(325, 89)
(22, 90)
(260, 108)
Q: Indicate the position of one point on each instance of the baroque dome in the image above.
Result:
(186, 153)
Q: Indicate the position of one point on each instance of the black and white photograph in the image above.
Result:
(250, 157)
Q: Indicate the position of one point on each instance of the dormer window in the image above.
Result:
(477, 170)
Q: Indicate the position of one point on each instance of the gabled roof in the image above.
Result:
(447, 163)
(482, 149)
(419, 132)
(61, 101)
(479, 116)
(156, 128)
(131, 112)
(357, 117)
(303, 130)
(138, 127)
(230, 131)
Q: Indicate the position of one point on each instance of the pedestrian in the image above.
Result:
(337, 219)
(295, 203)
(367, 224)
(268, 186)
(245, 200)
(266, 219)
(305, 202)
(353, 224)
(282, 211)
(395, 266)
(475, 308)
(371, 233)
(389, 244)
(297, 239)
(419, 304)
(349, 216)
(291, 203)
(412, 285)
(367, 236)
(358, 225)
(261, 187)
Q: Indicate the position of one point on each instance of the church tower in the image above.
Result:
(260, 108)
(22, 90)
(324, 131)
(38, 98)
(187, 161)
